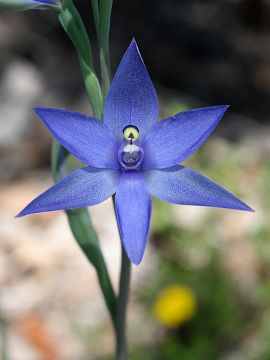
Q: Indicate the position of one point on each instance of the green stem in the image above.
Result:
(121, 311)
(73, 25)
(102, 15)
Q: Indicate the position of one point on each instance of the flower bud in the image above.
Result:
(20, 5)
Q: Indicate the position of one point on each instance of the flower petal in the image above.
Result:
(180, 185)
(175, 139)
(132, 99)
(49, 2)
(20, 5)
(88, 139)
(133, 210)
(84, 187)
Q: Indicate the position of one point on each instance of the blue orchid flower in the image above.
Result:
(20, 5)
(132, 155)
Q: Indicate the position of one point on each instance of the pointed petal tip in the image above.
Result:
(247, 208)
(134, 50)
(133, 41)
(217, 108)
(226, 107)
(222, 108)
(40, 110)
(37, 109)
(22, 213)
(136, 263)
(26, 211)
(134, 256)
(133, 46)
(135, 260)
(239, 206)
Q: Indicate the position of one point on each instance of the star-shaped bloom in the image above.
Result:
(20, 5)
(132, 155)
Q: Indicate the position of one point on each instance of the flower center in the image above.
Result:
(130, 156)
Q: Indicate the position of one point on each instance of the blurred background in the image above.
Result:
(202, 291)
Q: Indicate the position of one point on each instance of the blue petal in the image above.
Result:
(43, 4)
(175, 139)
(50, 2)
(20, 5)
(184, 186)
(132, 99)
(84, 187)
(133, 210)
(88, 139)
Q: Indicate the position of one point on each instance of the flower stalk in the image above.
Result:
(122, 301)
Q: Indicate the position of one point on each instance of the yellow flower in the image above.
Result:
(174, 305)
